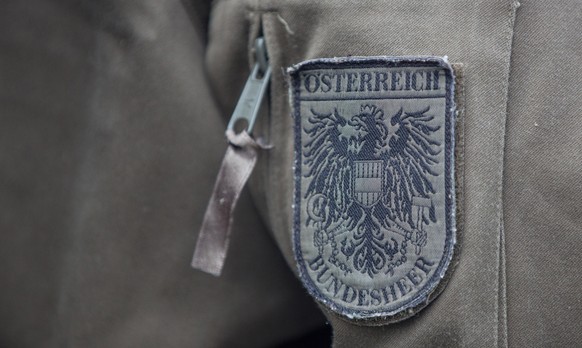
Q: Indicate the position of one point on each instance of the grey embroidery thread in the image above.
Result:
(374, 205)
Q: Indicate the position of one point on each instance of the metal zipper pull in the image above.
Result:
(237, 166)
(251, 98)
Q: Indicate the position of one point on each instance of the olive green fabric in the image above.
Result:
(111, 133)
(297, 31)
(543, 177)
(110, 142)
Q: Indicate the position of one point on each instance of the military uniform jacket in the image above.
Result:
(112, 133)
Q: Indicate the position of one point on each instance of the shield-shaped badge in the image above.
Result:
(375, 200)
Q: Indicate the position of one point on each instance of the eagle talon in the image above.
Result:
(419, 240)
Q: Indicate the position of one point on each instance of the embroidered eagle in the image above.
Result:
(367, 174)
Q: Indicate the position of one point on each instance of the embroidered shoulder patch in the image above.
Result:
(374, 200)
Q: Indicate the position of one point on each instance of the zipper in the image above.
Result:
(251, 98)
(237, 165)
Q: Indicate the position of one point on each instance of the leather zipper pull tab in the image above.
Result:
(237, 165)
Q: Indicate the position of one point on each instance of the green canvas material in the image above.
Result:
(112, 118)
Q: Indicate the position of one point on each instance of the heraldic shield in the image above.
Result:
(374, 201)
(368, 182)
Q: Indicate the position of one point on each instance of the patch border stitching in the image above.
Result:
(437, 282)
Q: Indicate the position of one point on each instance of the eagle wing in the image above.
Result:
(413, 156)
(325, 157)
